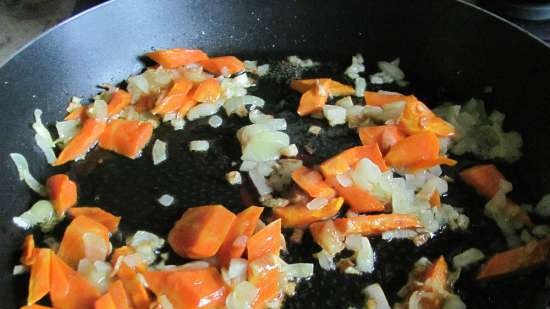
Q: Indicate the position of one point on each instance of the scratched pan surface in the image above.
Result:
(449, 50)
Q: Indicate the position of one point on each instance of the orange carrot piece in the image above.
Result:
(382, 98)
(82, 142)
(107, 219)
(189, 288)
(119, 100)
(176, 57)
(243, 227)
(376, 224)
(358, 200)
(327, 236)
(105, 302)
(531, 255)
(78, 113)
(68, 289)
(385, 136)
(312, 182)
(120, 298)
(263, 273)
(137, 292)
(72, 248)
(298, 215)
(145, 103)
(174, 98)
(200, 231)
(62, 192)
(126, 137)
(36, 307)
(28, 255)
(436, 276)
(208, 91)
(223, 65)
(416, 152)
(266, 241)
(39, 282)
(315, 98)
(334, 88)
(418, 118)
(485, 179)
(435, 199)
(188, 103)
(347, 159)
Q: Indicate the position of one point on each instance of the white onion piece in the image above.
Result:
(164, 302)
(66, 130)
(203, 110)
(265, 146)
(41, 212)
(237, 268)
(98, 110)
(364, 254)
(360, 87)
(245, 133)
(325, 260)
(356, 67)
(375, 292)
(366, 174)
(468, 257)
(298, 270)
(290, 151)
(344, 180)
(247, 166)
(398, 234)
(19, 270)
(159, 152)
(95, 247)
(96, 272)
(235, 104)
(199, 145)
(392, 69)
(25, 175)
(41, 130)
(334, 114)
(317, 203)
(250, 65)
(345, 102)
(240, 241)
(260, 182)
(242, 296)
(146, 245)
(45, 147)
(257, 117)
(166, 200)
(233, 178)
(262, 70)
(215, 121)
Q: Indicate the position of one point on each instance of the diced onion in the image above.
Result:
(260, 182)
(25, 175)
(317, 203)
(233, 178)
(360, 87)
(247, 166)
(334, 114)
(398, 234)
(203, 110)
(98, 110)
(303, 63)
(66, 130)
(237, 268)
(344, 180)
(96, 272)
(345, 102)
(375, 292)
(159, 152)
(468, 257)
(392, 69)
(43, 137)
(42, 212)
(199, 145)
(215, 121)
(45, 147)
(95, 247)
(356, 67)
(19, 270)
(242, 296)
(298, 270)
(145, 244)
(166, 200)
(325, 260)
(262, 69)
(237, 105)
(265, 146)
(366, 174)
(290, 151)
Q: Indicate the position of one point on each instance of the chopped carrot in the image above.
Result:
(62, 192)
(39, 282)
(145, 103)
(347, 159)
(358, 200)
(531, 255)
(334, 88)
(68, 289)
(123, 268)
(376, 224)
(174, 98)
(435, 199)
(126, 137)
(312, 182)
(418, 118)
(200, 231)
(105, 302)
(383, 98)
(119, 252)
(176, 57)
(120, 298)
(188, 103)
(327, 236)
(223, 65)
(82, 142)
(73, 246)
(315, 98)
(137, 292)
(266, 241)
(436, 275)
(119, 100)
(298, 215)
(78, 113)
(416, 152)
(107, 219)
(35, 306)
(208, 91)
(264, 274)
(189, 288)
(28, 256)
(243, 227)
(385, 136)
(485, 179)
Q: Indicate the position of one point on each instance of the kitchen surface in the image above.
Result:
(23, 20)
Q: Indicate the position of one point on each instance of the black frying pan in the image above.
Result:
(449, 50)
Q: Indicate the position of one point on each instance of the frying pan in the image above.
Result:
(449, 50)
